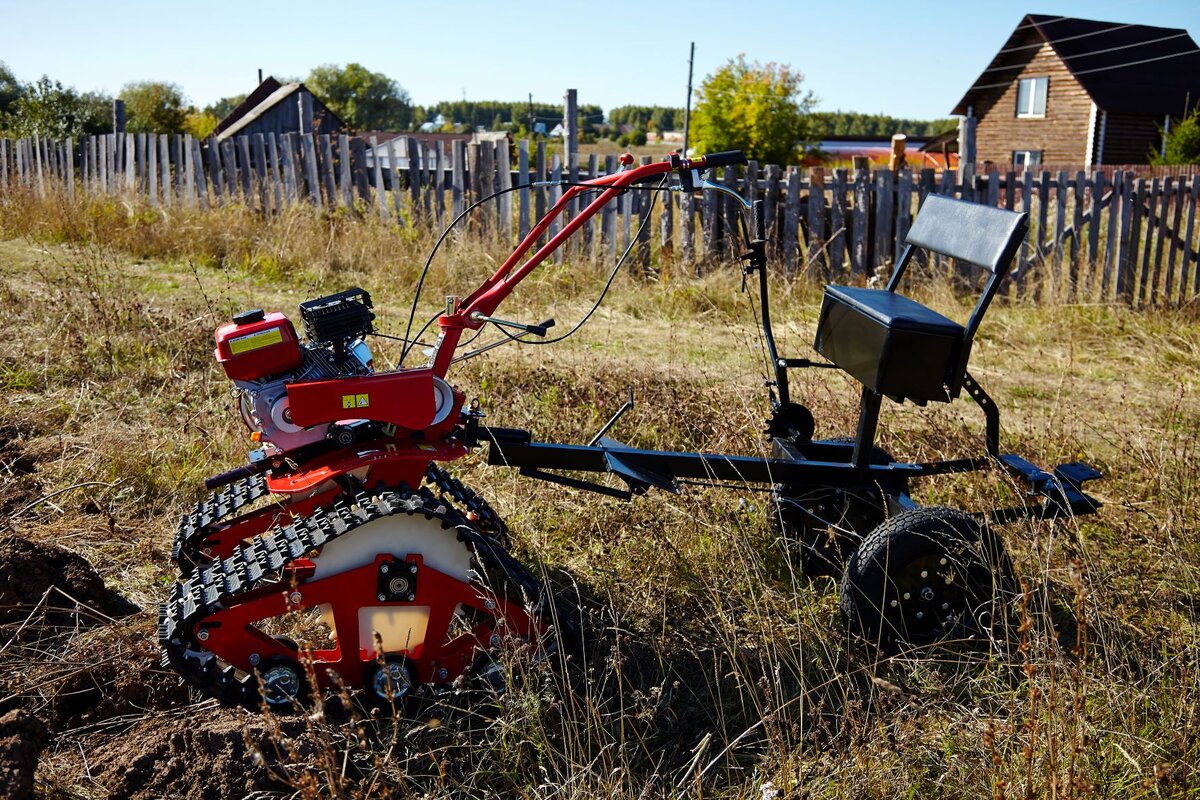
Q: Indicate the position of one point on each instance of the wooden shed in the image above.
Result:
(279, 108)
(1074, 91)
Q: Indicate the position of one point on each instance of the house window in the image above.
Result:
(1031, 97)
(1026, 158)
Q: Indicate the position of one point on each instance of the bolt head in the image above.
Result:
(254, 659)
(924, 573)
(495, 640)
(294, 598)
(489, 605)
(926, 593)
(202, 634)
(907, 596)
(945, 606)
(894, 603)
(412, 597)
(920, 615)
(382, 598)
(443, 674)
(412, 568)
(383, 568)
(942, 561)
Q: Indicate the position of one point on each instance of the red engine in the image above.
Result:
(256, 345)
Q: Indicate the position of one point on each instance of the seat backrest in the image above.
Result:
(981, 235)
(984, 236)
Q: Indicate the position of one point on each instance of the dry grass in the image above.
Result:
(713, 669)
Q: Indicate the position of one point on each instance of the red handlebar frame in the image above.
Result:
(492, 292)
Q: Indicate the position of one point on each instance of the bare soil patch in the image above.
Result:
(212, 756)
(22, 739)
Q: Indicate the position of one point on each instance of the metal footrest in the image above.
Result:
(1063, 489)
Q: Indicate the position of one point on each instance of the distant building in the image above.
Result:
(275, 107)
(392, 149)
(1078, 91)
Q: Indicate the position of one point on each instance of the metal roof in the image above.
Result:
(1136, 69)
(266, 96)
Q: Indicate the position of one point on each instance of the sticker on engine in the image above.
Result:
(356, 400)
(253, 341)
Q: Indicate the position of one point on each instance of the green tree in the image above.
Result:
(364, 100)
(94, 114)
(1183, 142)
(10, 88)
(154, 107)
(756, 108)
(222, 108)
(48, 109)
(200, 124)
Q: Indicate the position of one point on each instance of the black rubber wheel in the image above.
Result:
(928, 576)
(823, 527)
(283, 684)
(389, 683)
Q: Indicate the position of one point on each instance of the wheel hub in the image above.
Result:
(281, 685)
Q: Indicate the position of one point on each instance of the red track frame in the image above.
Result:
(232, 634)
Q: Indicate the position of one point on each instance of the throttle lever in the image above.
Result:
(537, 330)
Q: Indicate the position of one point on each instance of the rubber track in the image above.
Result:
(488, 521)
(218, 506)
(262, 560)
(229, 500)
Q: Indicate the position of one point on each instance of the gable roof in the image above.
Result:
(260, 93)
(265, 96)
(1136, 69)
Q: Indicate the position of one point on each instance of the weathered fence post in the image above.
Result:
(791, 221)
(458, 167)
(377, 168)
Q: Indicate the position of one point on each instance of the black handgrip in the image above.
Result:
(728, 158)
(541, 328)
(237, 473)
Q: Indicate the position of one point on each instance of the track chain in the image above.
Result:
(487, 520)
(262, 561)
(217, 507)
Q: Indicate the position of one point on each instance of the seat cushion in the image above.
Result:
(895, 311)
(893, 345)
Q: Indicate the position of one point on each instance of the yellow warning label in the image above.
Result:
(356, 400)
(253, 341)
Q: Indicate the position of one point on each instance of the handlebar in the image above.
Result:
(727, 158)
(476, 309)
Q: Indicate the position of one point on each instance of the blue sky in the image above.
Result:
(859, 55)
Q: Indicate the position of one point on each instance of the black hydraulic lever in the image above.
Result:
(537, 330)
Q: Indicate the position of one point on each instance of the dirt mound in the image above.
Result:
(18, 484)
(22, 739)
(123, 676)
(30, 572)
(206, 756)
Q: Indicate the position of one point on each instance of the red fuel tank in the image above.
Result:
(256, 345)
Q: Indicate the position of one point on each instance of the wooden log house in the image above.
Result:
(1064, 90)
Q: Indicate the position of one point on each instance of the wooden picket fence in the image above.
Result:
(1101, 235)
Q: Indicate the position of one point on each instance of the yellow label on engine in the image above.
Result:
(356, 400)
(253, 341)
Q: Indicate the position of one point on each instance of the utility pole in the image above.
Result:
(687, 111)
(571, 126)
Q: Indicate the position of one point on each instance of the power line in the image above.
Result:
(1179, 35)
(1064, 39)
(1099, 69)
(1038, 24)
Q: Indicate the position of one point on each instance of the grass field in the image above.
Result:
(712, 667)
